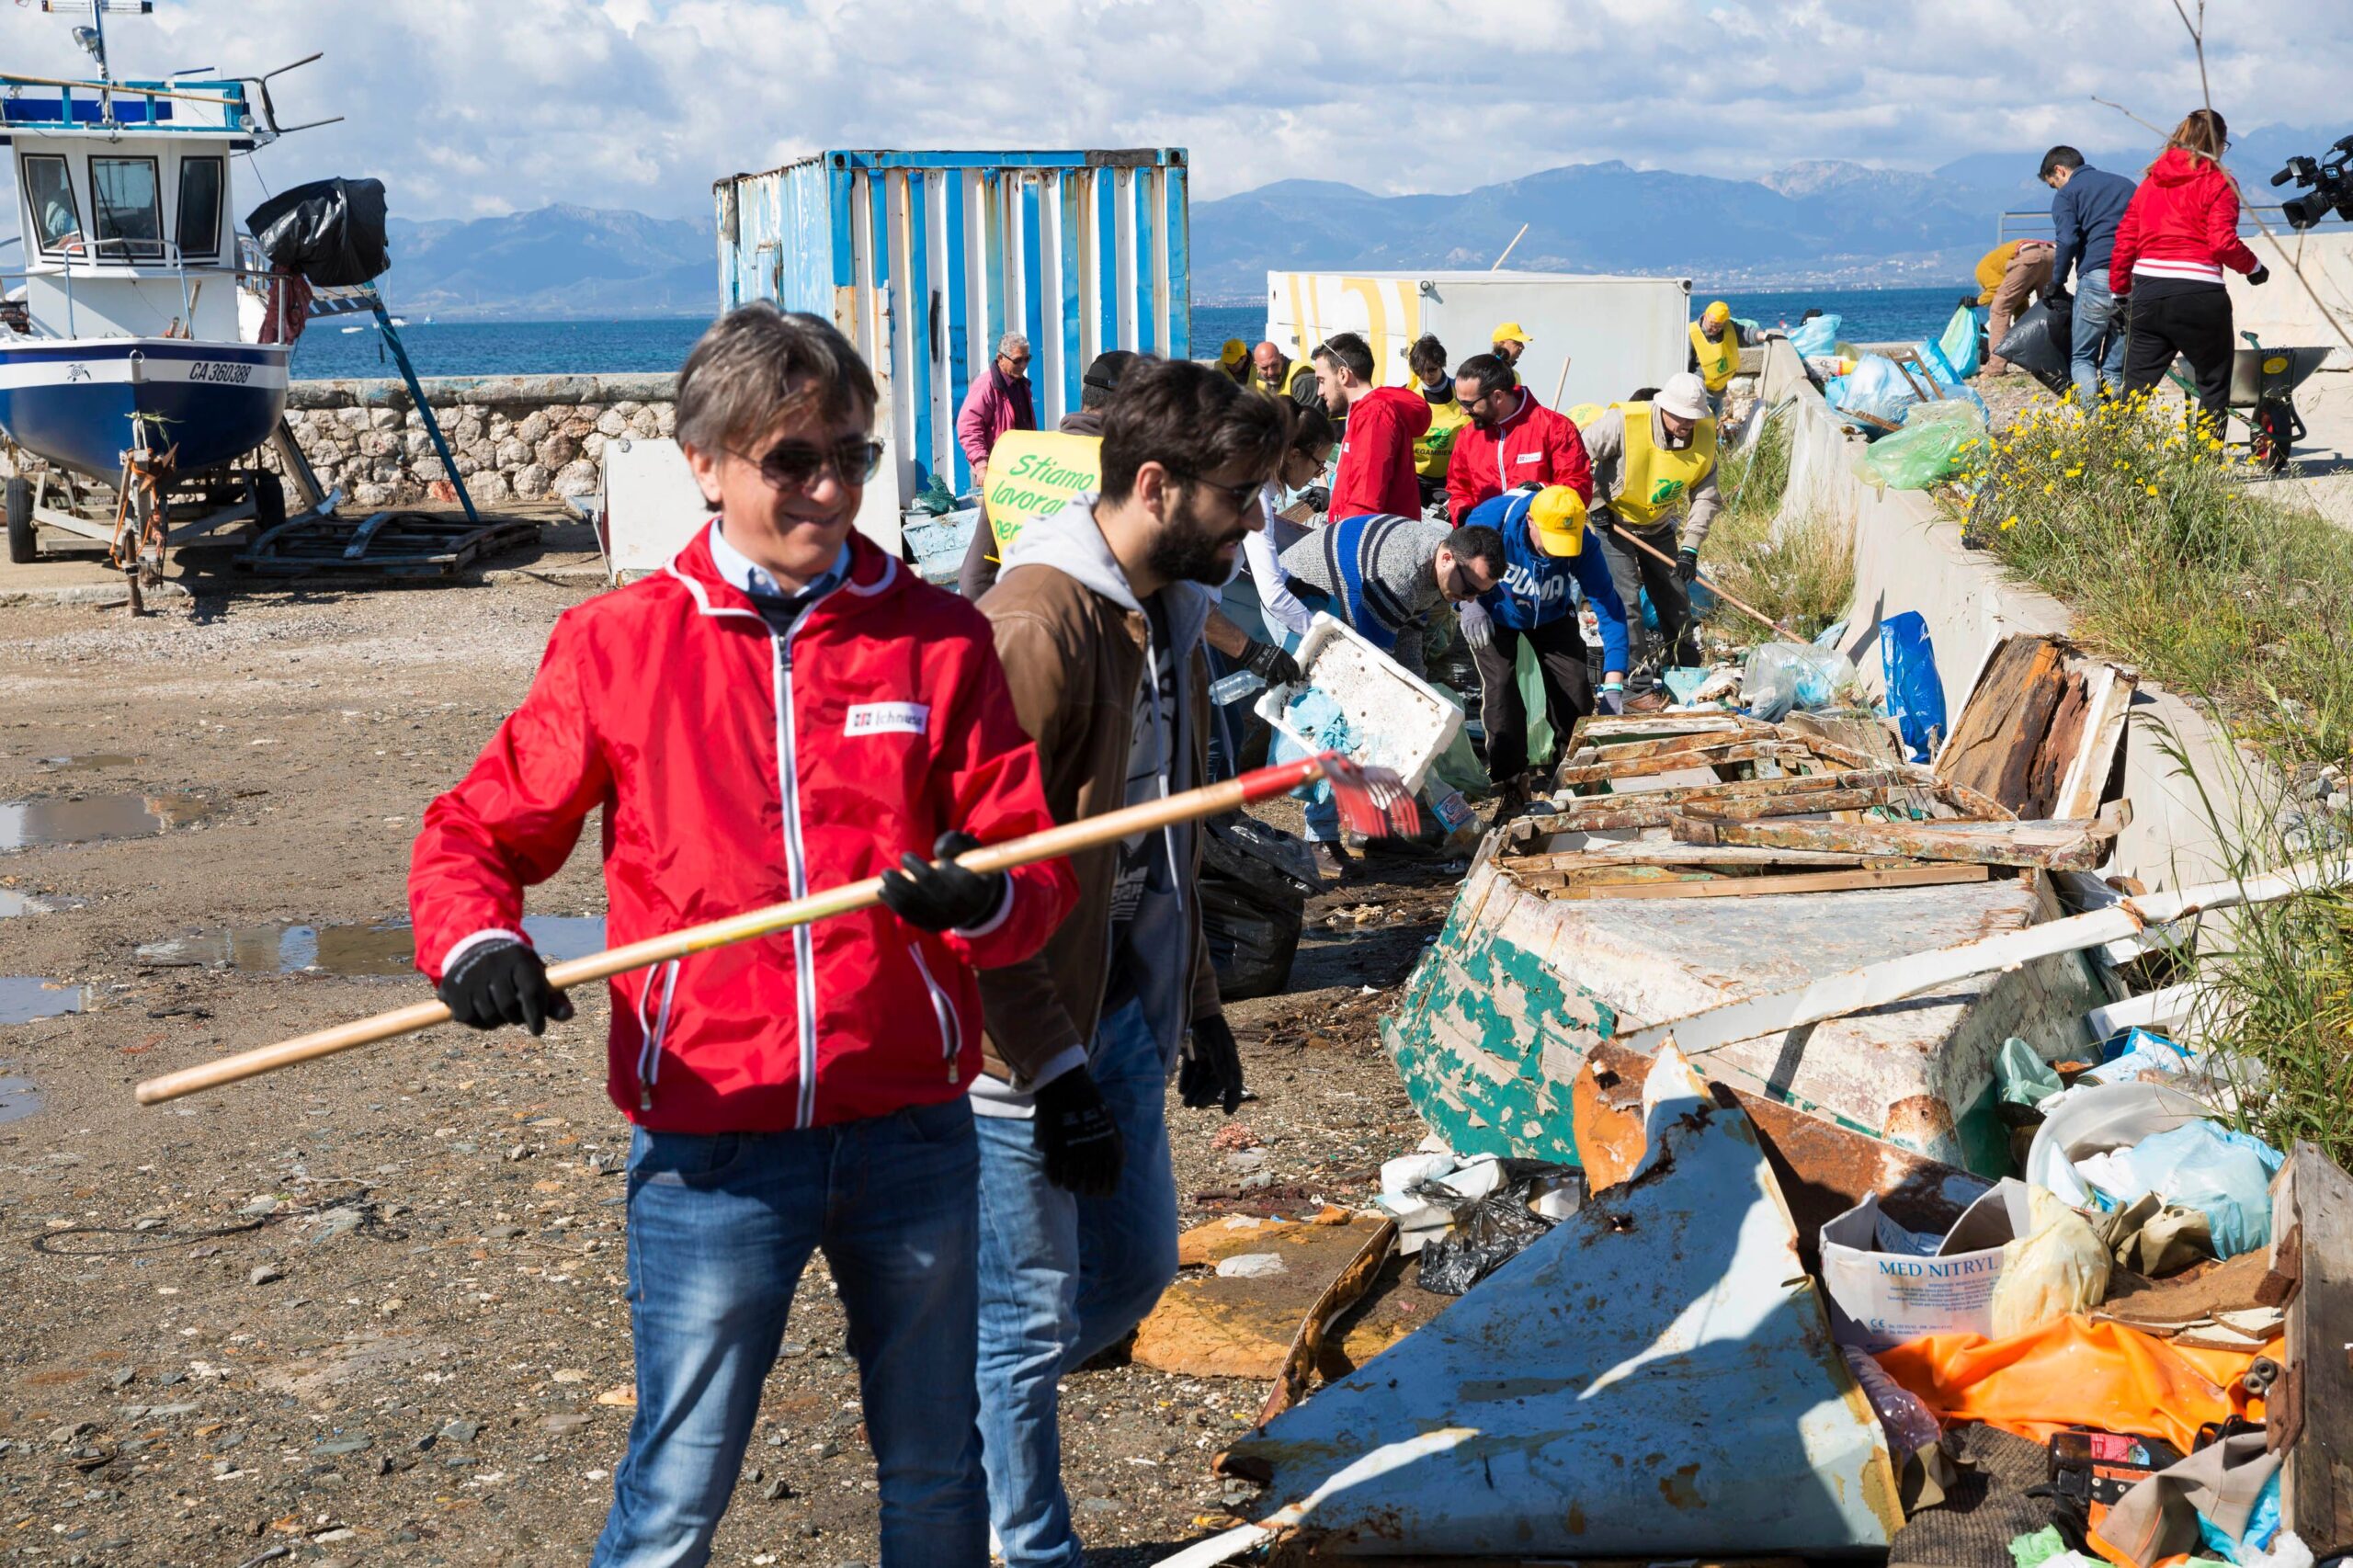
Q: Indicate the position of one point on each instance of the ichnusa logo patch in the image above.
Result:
(887, 719)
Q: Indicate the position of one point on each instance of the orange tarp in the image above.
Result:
(2074, 1372)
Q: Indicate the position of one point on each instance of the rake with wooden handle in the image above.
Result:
(1373, 800)
(1658, 554)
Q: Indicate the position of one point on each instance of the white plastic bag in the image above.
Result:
(2061, 1268)
(2090, 1120)
(1782, 676)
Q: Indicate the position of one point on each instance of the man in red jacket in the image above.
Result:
(1512, 440)
(781, 710)
(1376, 471)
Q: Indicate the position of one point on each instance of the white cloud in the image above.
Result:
(465, 109)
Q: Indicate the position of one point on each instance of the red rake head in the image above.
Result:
(1373, 800)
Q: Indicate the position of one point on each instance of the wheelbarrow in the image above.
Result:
(2263, 393)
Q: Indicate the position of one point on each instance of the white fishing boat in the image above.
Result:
(142, 345)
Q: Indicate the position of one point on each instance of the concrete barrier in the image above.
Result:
(1909, 556)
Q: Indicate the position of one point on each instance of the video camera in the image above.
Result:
(2332, 185)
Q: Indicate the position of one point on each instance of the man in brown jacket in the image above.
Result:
(1098, 617)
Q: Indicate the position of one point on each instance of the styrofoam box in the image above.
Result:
(1412, 720)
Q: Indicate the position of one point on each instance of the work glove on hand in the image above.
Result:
(1076, 1137)
(1208, 1067)
(1611, 698)
(1271, 664)
(502, 981)
(2260, 275)
(1317, 497)
(1687, 566)
(1477, 630)
(943, 897)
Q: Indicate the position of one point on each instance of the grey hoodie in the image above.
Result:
(1159, 936)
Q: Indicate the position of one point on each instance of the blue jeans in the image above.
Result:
(1063, 1277)
(2098, 350)
(719, 1228)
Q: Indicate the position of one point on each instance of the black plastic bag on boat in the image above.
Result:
(331, 231)
(1489, 1231)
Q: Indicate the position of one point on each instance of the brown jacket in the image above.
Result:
(1074, 657)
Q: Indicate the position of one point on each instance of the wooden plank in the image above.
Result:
(1611, 767)
(2111, 691)
(1807, 881)
(1667, 852)
(2313, 1202)
(1993, 741)
(2076, 845)
(1614, 811)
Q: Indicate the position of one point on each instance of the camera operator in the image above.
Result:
(2180, 231)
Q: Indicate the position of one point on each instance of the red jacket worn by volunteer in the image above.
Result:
(737, 768)
(1376, 471)
(1534, 444)
(2182, 222)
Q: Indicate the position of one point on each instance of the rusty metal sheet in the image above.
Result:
(1652, 1377)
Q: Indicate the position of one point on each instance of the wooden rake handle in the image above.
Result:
(1054, 842)
(1713, 587)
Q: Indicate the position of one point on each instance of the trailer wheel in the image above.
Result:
(23, 546)
(269, 500)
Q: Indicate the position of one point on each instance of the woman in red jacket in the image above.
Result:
(2180, 231)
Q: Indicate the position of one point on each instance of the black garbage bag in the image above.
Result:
(1253, 885)
(331, 231)
(1487, 1233)
(2039, 342)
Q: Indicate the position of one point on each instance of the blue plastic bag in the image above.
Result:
(1817, 337)
(1916, 697)
(2205, 1165)
(1875, 387)
(1959, 342)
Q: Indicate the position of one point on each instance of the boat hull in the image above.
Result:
(75, 403)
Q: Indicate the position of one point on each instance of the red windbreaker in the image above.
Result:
(1534, 444)
(2182, 222)
(1376, 472)
(669, 704)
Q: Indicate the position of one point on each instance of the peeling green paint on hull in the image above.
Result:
(1495, 1022)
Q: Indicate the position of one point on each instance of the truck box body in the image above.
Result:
(1618, 333)
(924, 259)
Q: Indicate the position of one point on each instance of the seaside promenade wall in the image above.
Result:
(511, 437)
(1909, 556)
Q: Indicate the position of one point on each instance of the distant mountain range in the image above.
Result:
(1823, 222)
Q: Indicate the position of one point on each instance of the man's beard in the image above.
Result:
(1185, 550)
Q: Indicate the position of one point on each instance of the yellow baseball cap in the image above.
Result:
(1234, 353)
(1509, 332)
(1557, 516)
(1719, 311)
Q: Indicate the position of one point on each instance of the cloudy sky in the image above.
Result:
(468, 107)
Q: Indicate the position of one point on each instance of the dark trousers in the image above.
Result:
(1568, 689)
(1632, 573)
(2194, 324)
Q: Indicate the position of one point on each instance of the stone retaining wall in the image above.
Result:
(511, 437)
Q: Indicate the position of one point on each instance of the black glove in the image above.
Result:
(943, 897)
(1209, 1068)
(1271, 664)
(1318, 497)
(502, 981)
(2261, 273)
(1074, 1132)
(1687, 565)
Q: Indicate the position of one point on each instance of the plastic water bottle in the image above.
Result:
(1235, 687)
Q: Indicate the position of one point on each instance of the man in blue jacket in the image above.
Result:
(1545, 550)
(2089, 205)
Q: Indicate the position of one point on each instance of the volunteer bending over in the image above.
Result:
(1652, 462)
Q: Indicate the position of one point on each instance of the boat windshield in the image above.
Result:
(129, 207)
(51, 195)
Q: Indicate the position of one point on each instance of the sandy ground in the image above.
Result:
(366, 1310)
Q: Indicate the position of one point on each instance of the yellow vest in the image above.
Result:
(1435, 446)
(1719, 359)
(1656, 478)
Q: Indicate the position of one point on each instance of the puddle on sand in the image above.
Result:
(352, 950)
(13, 903)
(86, 762)
(38, 825)
(18, 1098)
(24, 997)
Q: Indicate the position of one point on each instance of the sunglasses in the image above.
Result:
(1240, 495)
(795, 465)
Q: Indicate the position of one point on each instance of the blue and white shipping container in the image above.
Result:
(924, 259)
